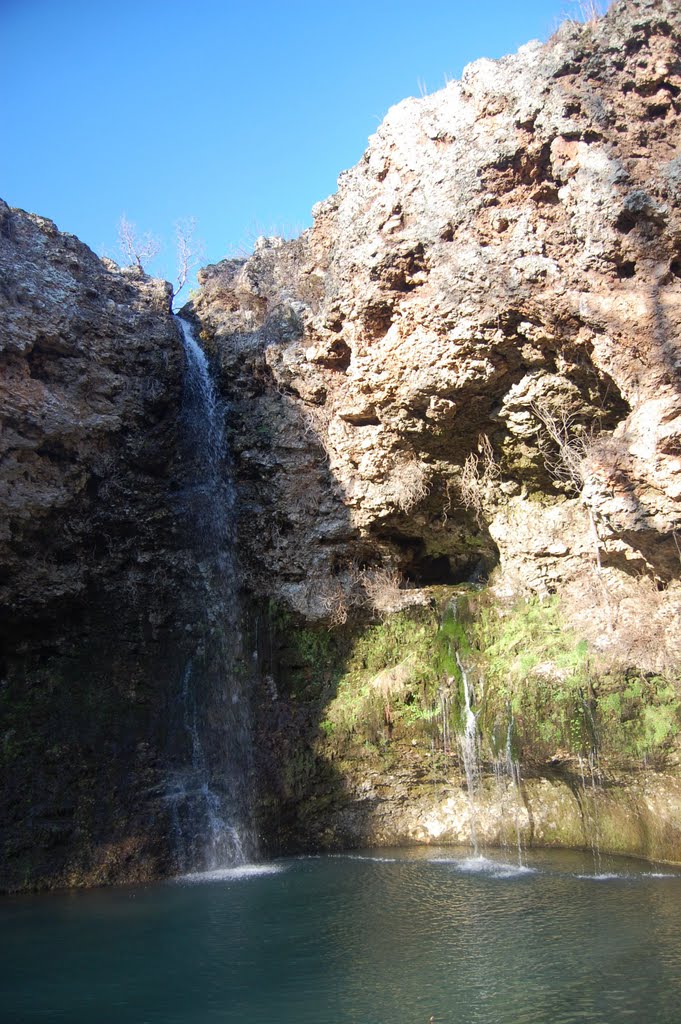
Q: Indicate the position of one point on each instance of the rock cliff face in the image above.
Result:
(466, 373)
(473, 356)
(94, 557)
(468, 368)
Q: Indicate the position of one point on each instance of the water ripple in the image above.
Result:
(232, 874)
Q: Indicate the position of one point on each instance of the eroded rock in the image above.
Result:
(507, 245)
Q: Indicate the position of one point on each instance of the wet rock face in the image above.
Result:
(406, 807)
(92, 556)
(496, 281)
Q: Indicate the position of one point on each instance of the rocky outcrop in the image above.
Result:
(496, 281)
(408, 803)
(468, 368)
(95, 578)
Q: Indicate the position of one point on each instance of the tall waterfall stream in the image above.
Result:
(209, 747)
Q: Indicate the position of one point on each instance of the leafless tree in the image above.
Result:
(190, 252)
(137, 250)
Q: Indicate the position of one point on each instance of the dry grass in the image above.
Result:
(409, 483)
(384, 588)
(627, 620)
(588, 12)
(479, 474)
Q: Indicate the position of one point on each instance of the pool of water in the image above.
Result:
(403, 937)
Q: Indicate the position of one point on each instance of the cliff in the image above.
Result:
(505, 254)
(453, 419)
(94, 558)
(467, 371)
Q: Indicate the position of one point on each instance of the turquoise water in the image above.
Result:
(389, 938)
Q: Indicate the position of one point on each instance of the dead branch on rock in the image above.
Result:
(566, 455)
(384, 589)
(334, 600)
(479, 473)
(410, 483)
(136, 249)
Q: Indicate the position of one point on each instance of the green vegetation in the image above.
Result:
(400, 680)
(539, 674)
(537, 671)
(370, 699)
(640, 717)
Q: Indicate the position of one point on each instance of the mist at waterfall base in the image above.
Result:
(402, 937)
(209, 746)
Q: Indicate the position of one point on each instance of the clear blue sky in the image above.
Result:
(240, 115)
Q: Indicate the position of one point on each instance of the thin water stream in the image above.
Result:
(383, 937)
(209, 743)
(468, 742)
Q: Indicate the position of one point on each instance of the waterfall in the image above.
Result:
(208, 786)
(468, 742)
(512, 766)
(589, 805)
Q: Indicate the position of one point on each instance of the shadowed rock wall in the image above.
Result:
(95, 564)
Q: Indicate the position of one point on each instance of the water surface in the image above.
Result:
(376, 938)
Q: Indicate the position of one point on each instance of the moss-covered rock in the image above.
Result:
(566, 751)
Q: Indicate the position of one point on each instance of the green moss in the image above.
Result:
(541, 676)
(420, 698)
(535, 681)
(638, 717)
(310, 658)
(537, 674)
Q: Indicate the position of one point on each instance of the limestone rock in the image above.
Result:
(95, 574)
(506, 246)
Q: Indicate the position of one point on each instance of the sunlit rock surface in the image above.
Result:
(505, 253)
(468, 369)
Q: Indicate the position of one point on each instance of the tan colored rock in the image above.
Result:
(506, 244)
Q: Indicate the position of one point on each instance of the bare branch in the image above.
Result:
(565, 457)
(136, 250)
(190, 251)
(479, 474)
(568, 459)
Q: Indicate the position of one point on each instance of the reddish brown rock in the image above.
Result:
(503, 260)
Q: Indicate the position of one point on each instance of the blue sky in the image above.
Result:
(239, 115)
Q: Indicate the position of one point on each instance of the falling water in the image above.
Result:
(590, 779)
(211, 499)
(209, 748)
(468, 742)
(513, 773)
(589, 804)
